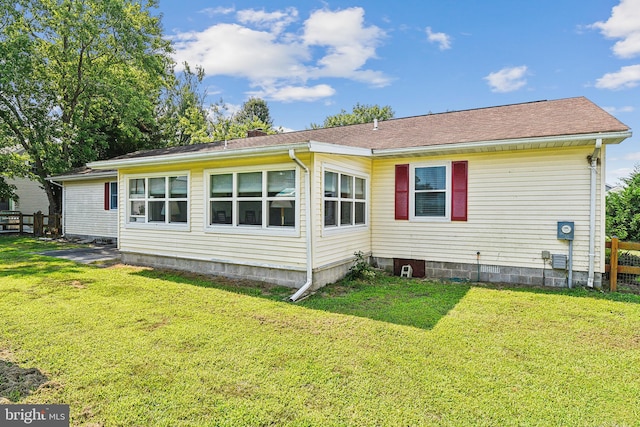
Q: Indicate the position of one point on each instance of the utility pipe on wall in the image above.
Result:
(309, 227)
(592, 211)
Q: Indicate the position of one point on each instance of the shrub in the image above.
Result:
(361, 269)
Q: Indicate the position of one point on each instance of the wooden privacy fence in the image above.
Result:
(37, 224)
(615, 268)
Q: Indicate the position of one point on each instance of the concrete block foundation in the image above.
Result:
(289, 277)
(496, 273)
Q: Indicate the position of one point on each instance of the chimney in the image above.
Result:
(375, 124)
(256, 132)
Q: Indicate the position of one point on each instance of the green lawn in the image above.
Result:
(126, 346)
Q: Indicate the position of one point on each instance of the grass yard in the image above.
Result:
(126, 346)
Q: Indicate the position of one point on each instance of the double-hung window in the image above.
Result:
(430, 190)
(110, 196)
(431, 186)
(253, 199)
(158, 199)
(345, 199)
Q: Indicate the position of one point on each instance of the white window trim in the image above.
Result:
(412, 192)
(337, 229)
(242, 229)
(111, 208)
(186, 226)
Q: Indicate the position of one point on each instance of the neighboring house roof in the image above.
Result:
(83, 173)
(510, 124)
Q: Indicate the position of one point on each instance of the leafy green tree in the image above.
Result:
(182, 115)
(359, 114)
(226, 126)
(255, 109)
(77, 75)
(623, 209)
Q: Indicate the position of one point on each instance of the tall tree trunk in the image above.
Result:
(53, 195)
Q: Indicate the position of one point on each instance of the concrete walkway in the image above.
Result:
(86, 255)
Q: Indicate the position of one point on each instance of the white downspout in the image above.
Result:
(592, 211)
(309, 227)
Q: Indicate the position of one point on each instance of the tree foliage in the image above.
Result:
(77, 76)
(182, 116)
(225, 125)
(254, 110)
(361, 113)
(623, 209)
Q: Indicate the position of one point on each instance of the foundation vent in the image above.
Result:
(490, 269)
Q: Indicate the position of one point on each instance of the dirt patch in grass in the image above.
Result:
(17, 382)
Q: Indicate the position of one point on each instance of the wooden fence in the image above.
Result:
(37, 224)
(614, 268)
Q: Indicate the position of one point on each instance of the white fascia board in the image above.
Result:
(173, 159)
(610, 137)
(87, 177)
(330, 148)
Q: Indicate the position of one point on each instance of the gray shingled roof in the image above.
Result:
(563, 117)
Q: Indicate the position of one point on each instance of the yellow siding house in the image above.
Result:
(511, 194)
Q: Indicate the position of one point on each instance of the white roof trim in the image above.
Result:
(197, 156)
(311, 146)
(331, 148)
(84, 177)
(613, 137)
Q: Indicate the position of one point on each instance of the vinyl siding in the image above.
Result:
(243, 246)
(514, 202)
(32, 197)
(339, 244)
(83, 210)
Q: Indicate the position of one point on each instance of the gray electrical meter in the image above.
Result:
(565, 230)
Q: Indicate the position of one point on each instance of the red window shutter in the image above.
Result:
(107, 199)
(402, 191)
(459, 177)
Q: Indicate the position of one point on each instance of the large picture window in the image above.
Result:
(345, 200)
(257, 199)
(158, 200)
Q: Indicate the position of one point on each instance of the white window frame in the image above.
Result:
(167, 224)
(412, 192)
(113, 207)
(338, 227)
(263, 228)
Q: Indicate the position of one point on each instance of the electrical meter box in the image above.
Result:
(565, 230)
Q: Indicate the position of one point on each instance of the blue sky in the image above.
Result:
(418, 56)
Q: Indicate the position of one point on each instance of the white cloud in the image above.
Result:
(295, 93)
(279, 61)
(624, 24)
(348, 42)
(442, 39)
(626, 77)
(213, 11)
(617, 110)
(613, 176)
(508, 79)
(276, 22)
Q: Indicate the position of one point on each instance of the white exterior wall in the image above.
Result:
(83, 210)
(32, 196)
(335, 245)
(241, 245)
(515, 200)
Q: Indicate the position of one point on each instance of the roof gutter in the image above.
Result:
(196, 156)
(309, 227)
(592, 210)
(614, 137)
(94, 175)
